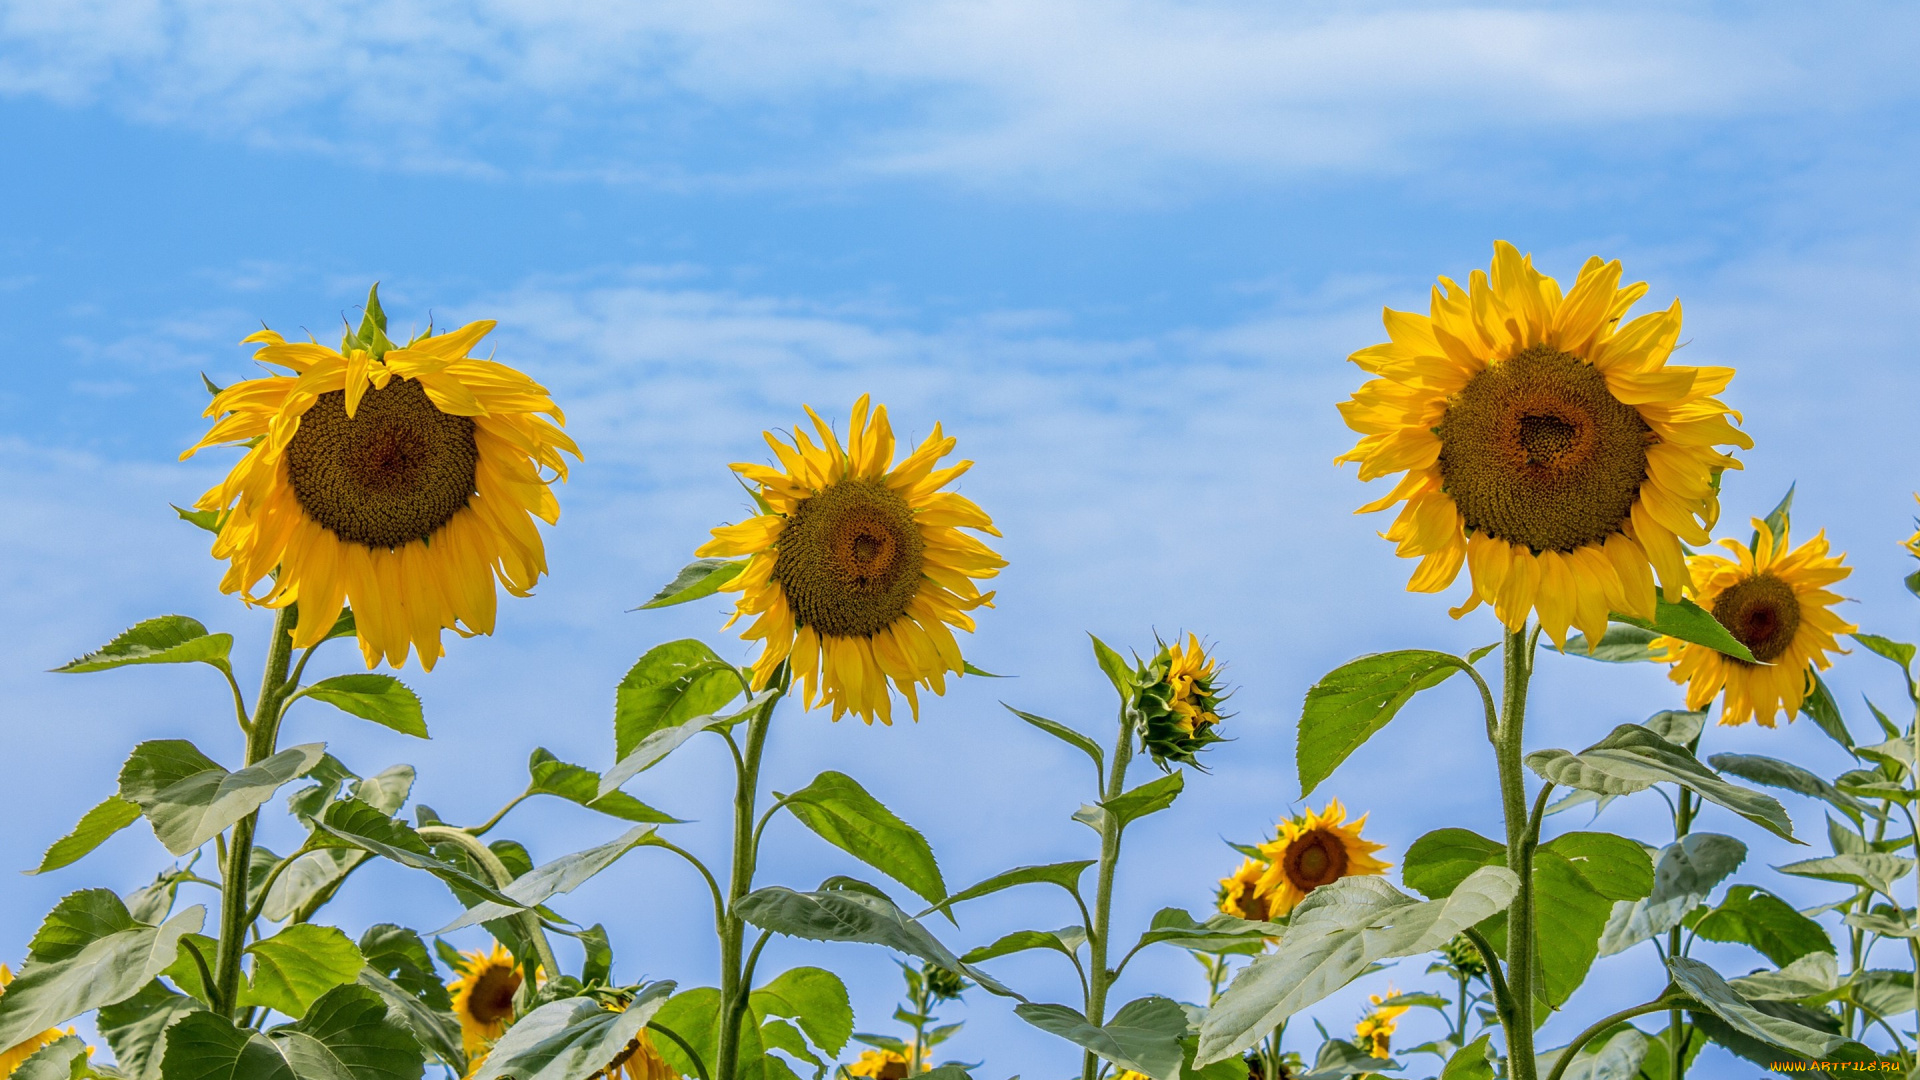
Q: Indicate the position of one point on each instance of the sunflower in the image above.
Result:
(1312, 851)
(1179, 701)
(483, 997)
(1240, 895)
(1913, 542)
(880, 1065)
(1374, 1032)
(1547, 448)
(639, 1061)
(1774, 601)
(13, 1057)
(400, 480)
(858, 567)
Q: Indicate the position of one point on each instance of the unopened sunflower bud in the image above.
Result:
(1179, 702)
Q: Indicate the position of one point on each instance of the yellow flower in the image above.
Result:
(1774, 601)
(13, 1057)
(402, 481)
(639, 1061)
(859, 566)
(483, 997)
(1240, 894)
(1374, 1032)
(1179, 701)
(1913, 542)
(880, 1065)
(1313, 851)
(1550, 450)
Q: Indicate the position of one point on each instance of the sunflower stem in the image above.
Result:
(1099, 978)
(1520, 845)
(1676, 1017)
(733, 994)
(502, 877)
(237, 862)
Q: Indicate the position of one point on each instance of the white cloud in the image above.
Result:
(1050, 93)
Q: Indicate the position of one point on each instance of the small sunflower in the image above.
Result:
(13, 1057)
(1773, 600)
(858, 567)
(483, 997)
(401, 480)
(639, 1061)
(1374, 1032)
(1318, 849)
(1179, 701)
(1240, 895)
(879, 1065)
(1913, 542)
(1547, 448)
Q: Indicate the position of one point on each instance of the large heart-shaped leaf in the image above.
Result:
(1633, 758)
(382, 699)
(842, 812)
(294, 967)
(669, 685)
(136, 1028)
(106, 970)
(815, 998)
(1711, 991)
(189, 805)
(577, 784)
(347, 1035)
(1066, 875)
(1353, 701)
(855, 915)
(562, 875)
(95, 826)
(1687, 871)
(1143, 1036)
(169, 639)
(571, 1038)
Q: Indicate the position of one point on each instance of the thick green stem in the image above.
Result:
(733, 995)
(1676, 1016)
(261, 736)
(1099, 978)
(1520, 844)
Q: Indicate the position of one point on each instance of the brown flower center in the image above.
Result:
(395, 472)
(491, 1000)
(1536, 450)
(1761, 613)
(849, 559)
(1314, 859)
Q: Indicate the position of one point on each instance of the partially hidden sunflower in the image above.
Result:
(13, 1057)
(399, 480)
(857, 567)
(1179, 701)
(640, 1060)
(1240, 894)
(1913, 542)
(1552, 451)
(1315, 850)
(1773, 599)
(483, 997)
(880, 1065)
(1374, 1032)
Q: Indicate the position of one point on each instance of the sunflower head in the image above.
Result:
(1545, 446)
(1773, 599)
(1179, 697)
(879, 1065)
(483, 997)
(1374, 1032)
(640, 1060)
(857, 567)
(1315, 850)
(1240, 895)
(400, 480)
(1463, 957)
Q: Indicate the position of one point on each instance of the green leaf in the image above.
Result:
(185, 972)
(1820, 707)
(780, 1035)
(1622, 644)
(343, 625)
(78, 920)
(1687, 871)
(1438, 862)
(968, 668)
(1912, 582)
(1353, 701)
(1752, 917)
(848, 915)
(294, 967)
(311, 875)
(668, 686)
(1064, 940)
(1119, 672)
(136, 1028)
(1676, 726)
(399, 954)
(1335, 934)
(1689, 621)
(571, 1038)
(356, 824)
(1470, 1062)
(1066, 735)
(1149, 798)
(107, 970)
(814, 997)
(662, 741)
(1777, 520)
(562, 875)
(436, 1030)
(1871, 871)
(188, 810)
(1773, 772)
(1634, 758)
(597, 965)
(1812, 975)
(1065, 874)
(694, 1016)
(1143, 1036)
(382, 699)
(64, 1058)
(1577, 880)
(1220, 933)
(204, 519)
(577, 784)
(698, 579)
(1899, 652)
(1710, 990)
(169, 639)
(842, 812)
(347, 1035)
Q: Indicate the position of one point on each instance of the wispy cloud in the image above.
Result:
(1027, 94)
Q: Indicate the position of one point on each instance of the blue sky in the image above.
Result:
(1119, 250)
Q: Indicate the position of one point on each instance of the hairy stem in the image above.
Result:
(1099, 978)
(262, 735)
(733, 992)
(1520, 845)
(1676, 1016)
